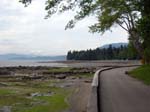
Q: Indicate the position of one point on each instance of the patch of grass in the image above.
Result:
(21, 100)
(85, 75)
(13, 99)
(142, 73)
(4, 91)
(61, 69)
(54, 103)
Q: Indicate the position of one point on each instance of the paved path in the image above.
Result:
(121, 93)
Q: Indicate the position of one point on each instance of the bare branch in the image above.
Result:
(123, 27)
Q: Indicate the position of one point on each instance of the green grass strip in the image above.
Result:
(142, 73)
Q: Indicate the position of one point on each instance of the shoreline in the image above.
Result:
(70, 63)
(49, 83)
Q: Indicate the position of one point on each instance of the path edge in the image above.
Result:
(94, 102)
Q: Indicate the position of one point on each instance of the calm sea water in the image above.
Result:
(13, 63)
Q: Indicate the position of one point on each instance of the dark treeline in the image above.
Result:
(110, 53)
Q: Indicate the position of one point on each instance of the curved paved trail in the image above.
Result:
(122, 93)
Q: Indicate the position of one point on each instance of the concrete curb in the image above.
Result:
(93, 100)
(94, 103)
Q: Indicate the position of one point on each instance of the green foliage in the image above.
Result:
(142, 73)
(124, 52)
(26, 2)
(144, 31)
(132, 51)
(108, 12)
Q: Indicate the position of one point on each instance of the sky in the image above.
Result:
(23, 30)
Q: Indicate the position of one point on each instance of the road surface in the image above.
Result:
(122, 93)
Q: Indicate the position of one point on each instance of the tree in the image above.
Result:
(143, 26)
(131, 52)
(131, 15)
(110, 53)
(26, 2)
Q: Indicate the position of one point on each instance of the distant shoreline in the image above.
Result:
(95, 63)
(70, 63)
(83, 61)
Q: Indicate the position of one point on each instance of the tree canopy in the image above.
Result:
(120, 53)
(124, 13)
(132, 15)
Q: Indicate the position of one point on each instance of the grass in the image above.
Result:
(17, 96)
(54, 103)
(13, 99)
(4, 91)
(61, 69)
(142, 73)
(85, 75)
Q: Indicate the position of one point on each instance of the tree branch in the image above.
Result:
(122, 27)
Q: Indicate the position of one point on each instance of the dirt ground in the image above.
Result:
(79, 99)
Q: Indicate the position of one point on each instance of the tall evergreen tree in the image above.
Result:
(110, 53)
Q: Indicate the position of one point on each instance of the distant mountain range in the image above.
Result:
(53, 58)
(115, 45)
(30, 57)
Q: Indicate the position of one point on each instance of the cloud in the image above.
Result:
(24, 30)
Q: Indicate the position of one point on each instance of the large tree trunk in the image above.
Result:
(135, 39)
(142, 46)
(145, 28)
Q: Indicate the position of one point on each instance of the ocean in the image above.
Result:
(14, 63)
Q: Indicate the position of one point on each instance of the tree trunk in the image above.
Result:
(145, 28)
(135, 39)
(142, 47)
